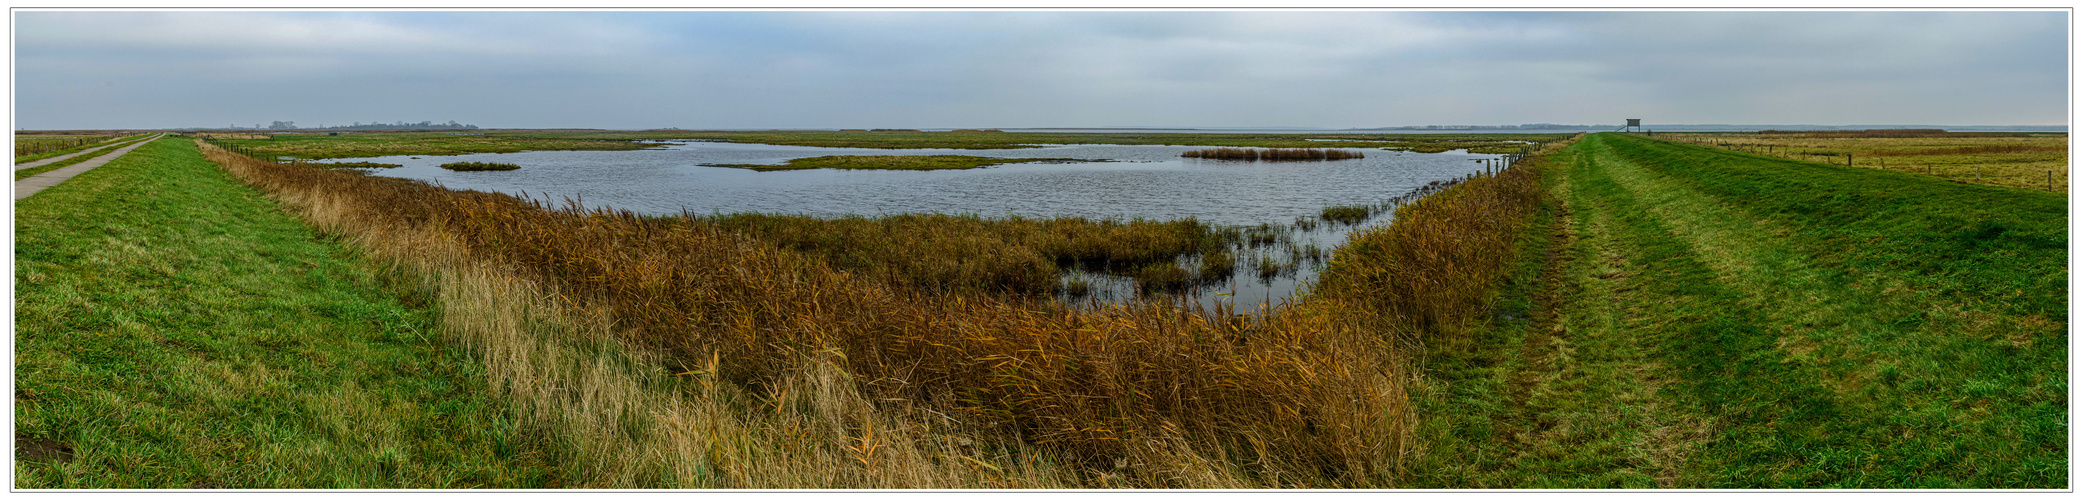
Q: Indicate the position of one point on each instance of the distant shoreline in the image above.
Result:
(1214, 130)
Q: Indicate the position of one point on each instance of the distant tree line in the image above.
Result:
(286, 125)
(424, 124)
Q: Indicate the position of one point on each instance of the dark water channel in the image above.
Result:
(1121, 182)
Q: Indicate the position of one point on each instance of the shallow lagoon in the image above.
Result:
(1124, 182)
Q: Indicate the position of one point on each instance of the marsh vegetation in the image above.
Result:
(1348, 214)
(355, 164)
(1140, 393)
(1011, 256)
(1273, 154)
(475, 166)
(852, 162)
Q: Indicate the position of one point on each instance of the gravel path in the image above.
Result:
(59, 158)
(31, 185)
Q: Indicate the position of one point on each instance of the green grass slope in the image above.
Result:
(1692, 317)
(173, 329)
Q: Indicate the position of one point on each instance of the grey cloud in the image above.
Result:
(1015, 69)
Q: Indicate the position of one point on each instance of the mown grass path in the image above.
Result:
(174, 329)
(1736, 321)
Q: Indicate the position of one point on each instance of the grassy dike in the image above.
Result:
(1699, 318)
(174, 329)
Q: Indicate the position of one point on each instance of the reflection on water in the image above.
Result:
(1264, 273)
(1124, 182)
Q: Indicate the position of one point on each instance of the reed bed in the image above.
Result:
(1348, 214)
(1432, 266)
(476, 166)
(1014, 255)
(881, 162)
(1273, 154)
(1144, 393)
(352, 164)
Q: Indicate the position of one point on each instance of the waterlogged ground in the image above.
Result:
(1123, 182)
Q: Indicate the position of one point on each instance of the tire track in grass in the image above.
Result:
(1665, 426)
(1729, 366)
(1739, 322)
(1798, 354)
(1570, 399)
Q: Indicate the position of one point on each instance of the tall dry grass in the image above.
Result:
(1432, 266)
(887, 386)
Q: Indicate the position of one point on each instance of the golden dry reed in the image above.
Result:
(878, 386)
(1273, 154)
(1419, 271)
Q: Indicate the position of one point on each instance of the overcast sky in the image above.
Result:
(700, 70)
